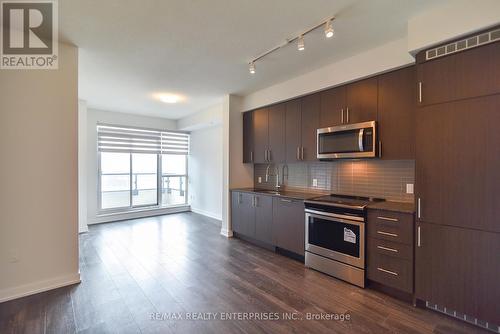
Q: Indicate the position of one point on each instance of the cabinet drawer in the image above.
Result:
(390, 271)
(390, 248)
(391, 226)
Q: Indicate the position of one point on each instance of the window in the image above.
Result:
(141, 168)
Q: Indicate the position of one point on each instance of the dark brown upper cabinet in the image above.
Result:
(293, 129)
(396, 114)
(264, 139)
(361, 101)
(310, 106)
(333, 105)
(276, 146)
(248, 137)
(260, 135)
(467, 74)
(457, 159)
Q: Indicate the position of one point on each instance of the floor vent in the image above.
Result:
(464, 317)
(464, 44)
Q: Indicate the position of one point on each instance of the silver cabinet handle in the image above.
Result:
(420, 92)
(298, 153)
(286, 200)
(251, 156)
(418, 208)
(302, 153)
(256, 199)
(388, 219)
(418, 237)
(387, 233)
(347, 115)
(388, 249)
(239, 198)
(387, 271)
(342, 115)
(380, 149)
(269, 156)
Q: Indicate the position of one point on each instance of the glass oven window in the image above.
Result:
(334, 235)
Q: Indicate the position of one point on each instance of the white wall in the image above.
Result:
(205, 118)
(38, 177)
(82, 166)
(205, 171)
(98, 116)
(451, 20)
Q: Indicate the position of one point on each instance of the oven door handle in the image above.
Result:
(338, 218)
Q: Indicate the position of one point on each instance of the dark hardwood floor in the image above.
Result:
(157, 266)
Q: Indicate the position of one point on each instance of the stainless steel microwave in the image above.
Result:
(348, 141)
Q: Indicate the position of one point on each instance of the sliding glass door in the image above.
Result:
(141, 168)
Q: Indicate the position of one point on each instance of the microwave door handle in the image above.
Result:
(360, 139)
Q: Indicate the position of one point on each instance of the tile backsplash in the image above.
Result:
(375, 178)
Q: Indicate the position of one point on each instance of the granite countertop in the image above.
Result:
(293, 194)
(403, 207)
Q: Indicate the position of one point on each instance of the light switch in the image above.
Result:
(260, 179)
(315, 182)
(409, 188)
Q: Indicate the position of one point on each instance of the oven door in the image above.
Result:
(347, 141)
(336, 238)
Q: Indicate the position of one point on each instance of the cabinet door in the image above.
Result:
(276, 153)
(396, 114)
(333, 105)
(361, 101)
(288, 225)
(310, 125)
(293, 130)
(263, 218)
(456, 268)
(248, 137)
(471, 73)
(457, 163)
(243, 214)
(261, 134)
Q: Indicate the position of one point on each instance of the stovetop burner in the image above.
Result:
(346, 200)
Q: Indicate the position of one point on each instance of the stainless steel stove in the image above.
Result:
(335, 236)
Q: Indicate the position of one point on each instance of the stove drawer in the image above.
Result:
(391, 226)
(390, 248)
(390, 271)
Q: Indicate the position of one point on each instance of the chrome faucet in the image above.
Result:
(276, 172)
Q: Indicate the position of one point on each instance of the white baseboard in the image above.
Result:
(226, 233)
(206, 213)
(37, 287)
(112, 217)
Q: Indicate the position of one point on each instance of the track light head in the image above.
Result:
(328, 29)
(300, 43)
(251, 68)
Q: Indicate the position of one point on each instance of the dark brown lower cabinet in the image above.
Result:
(243, 214)
(263, 218)
(288, 225)
(390, 249)
(459, 269)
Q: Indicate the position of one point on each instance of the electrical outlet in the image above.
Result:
(260, 179)
(409, 188)
(315, 182)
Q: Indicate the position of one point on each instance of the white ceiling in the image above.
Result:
(131, 49)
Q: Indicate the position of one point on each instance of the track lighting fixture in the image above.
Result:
(251, 68)
(300, 43)
(328, 29)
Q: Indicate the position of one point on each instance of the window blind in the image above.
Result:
(133, 140)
